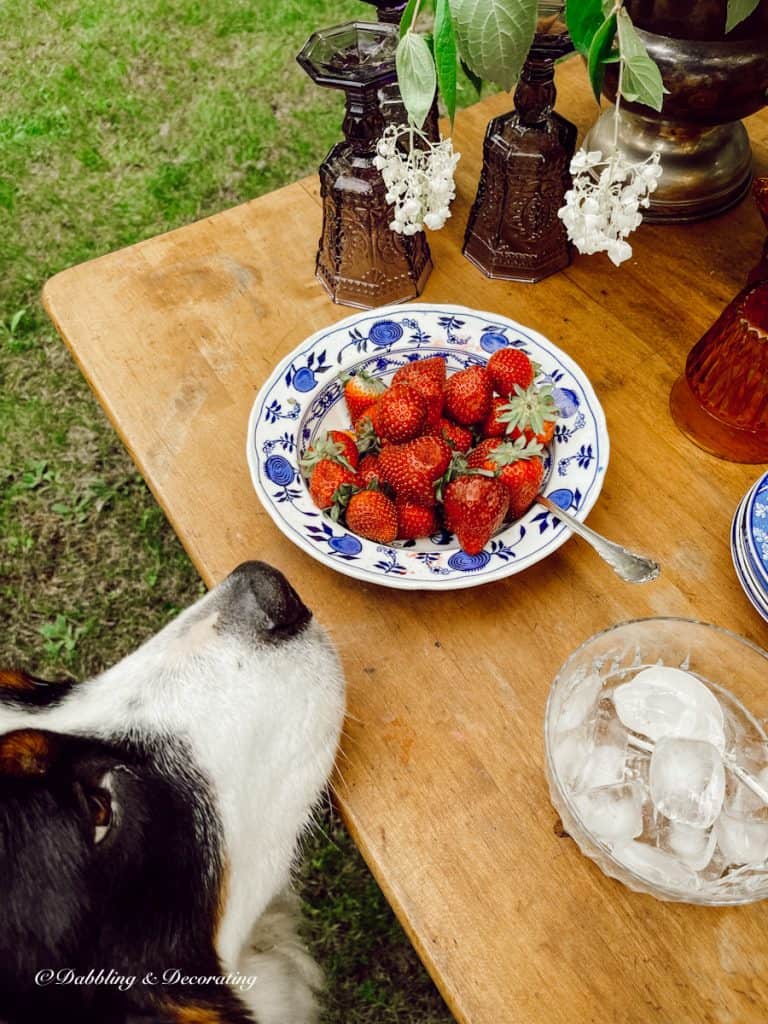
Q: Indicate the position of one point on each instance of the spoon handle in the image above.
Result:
(629, 566)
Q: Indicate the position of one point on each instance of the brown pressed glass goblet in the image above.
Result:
(721, 401)
(360, 260)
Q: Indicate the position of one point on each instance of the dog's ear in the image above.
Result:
(15, 679)
(27, 752)
(20, 687)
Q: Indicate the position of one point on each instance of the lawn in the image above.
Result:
(121, 119)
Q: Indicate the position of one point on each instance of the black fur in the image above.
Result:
(144, 900)
(40, 694)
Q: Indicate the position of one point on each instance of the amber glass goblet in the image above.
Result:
(360, 261)
(513, 230)
(721, 401)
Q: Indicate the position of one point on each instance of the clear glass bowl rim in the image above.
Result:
(643, 883)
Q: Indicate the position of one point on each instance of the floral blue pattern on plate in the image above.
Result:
(756, 528)
(303, 398)
(757, 597)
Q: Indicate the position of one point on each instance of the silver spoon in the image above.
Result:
(629, 566)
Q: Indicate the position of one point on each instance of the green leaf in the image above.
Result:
(407, 18)
(640, 77)
(494, 36)
(584, 18)
(416, 75)
(474, 81)
(446, 56)
(630, 43)
(641, 82)
(599, 53)
(738, 10)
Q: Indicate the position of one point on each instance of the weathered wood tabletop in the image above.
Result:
(443, 781)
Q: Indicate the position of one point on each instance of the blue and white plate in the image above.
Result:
(304, 397)
(756, 528)
(742, 571)
(743, 563)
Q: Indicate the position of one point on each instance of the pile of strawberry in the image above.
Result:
(428, 451)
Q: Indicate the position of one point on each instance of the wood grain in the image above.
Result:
(442, 781)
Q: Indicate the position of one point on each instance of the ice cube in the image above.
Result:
(579, 703)
(742, 840)
(687, 781)
(603, 766)
(637, 765)
(654, 865)
(742, 800)
(569, 753)
(662, 701)
(749, 761)
(693, 846)
(741, 729)
(604, 763)
(612, 812)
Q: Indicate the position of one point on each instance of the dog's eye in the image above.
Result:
(100, 806)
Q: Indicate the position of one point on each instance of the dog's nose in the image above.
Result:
(280, 606)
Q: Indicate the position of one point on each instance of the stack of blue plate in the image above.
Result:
(749, 544)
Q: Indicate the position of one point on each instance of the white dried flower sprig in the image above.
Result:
(604, 205)
(419, 178)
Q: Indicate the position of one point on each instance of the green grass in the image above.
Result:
(120, 119)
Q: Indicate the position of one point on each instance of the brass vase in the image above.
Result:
(714, 79)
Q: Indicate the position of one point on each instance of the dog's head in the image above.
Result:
(148, 815)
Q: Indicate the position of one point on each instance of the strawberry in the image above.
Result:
(508, 368)
(475, 507)
(348, 445)
(523, 482)
(373, 515)
(492, 425)
(468, 395)
(480, 457)
(367, 429)
(327, 477)
(544, 436)
(518, 466)
(414, 521)
(459, 438)
(369, 469)
(531, 412)
(337, 446)
(360, 392)
(402, 413)
(427, 376)
(432, 369)
(412, 469)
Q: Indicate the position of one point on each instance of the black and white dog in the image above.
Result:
(149, 818)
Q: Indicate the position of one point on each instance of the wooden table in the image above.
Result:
(443, 783)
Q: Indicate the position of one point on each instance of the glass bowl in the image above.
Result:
(604, 798)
